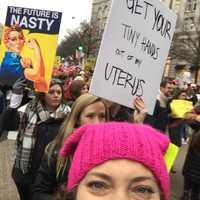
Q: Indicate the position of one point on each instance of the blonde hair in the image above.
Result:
(8, 30)
(70, 123)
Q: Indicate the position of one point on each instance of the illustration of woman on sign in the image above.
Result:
(14, 67)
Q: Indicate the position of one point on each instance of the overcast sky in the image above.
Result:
(74, 11)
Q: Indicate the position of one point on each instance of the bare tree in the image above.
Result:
(87, 36)
(186, 46)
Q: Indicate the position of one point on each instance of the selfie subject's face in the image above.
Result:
(93, 113)
(15, 42)
(118, 180)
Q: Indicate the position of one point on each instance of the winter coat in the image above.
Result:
(45, 132)
(191, 168)
(46, 185)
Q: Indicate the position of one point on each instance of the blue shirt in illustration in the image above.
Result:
(11, 69)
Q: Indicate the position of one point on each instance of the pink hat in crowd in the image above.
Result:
(94, 144)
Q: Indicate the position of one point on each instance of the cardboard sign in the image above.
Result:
(133, 51)
(29, 45)
(180, 107)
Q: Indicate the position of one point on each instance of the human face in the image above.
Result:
(167, 90)
(104, 182)
(93, 113)
(54, 97)
(15, 42)
(84, 89)
(182, 96)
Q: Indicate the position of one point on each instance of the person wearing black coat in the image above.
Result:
(37, 123)
(191, 168)
(161, 109)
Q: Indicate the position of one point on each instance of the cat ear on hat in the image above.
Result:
(72, 142)
(161, 139)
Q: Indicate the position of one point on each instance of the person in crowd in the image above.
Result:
(160, 114)
(191, 167)
(100, 151)
(137, 114)
(81, 76)
(14, 66)
(76, 89)
(191, 93)
(37, 122)
(52, 172)
(176, 125)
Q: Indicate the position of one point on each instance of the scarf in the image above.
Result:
(34, 114)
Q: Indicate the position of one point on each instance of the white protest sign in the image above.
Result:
(133, 51)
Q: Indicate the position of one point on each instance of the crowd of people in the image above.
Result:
(72, 145)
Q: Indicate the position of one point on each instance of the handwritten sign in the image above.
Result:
(29, 45)
(180, 107)
(133, 51)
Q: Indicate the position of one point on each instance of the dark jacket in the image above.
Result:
(46, 184)
(161, 117)
(45, 133)
(191, 168)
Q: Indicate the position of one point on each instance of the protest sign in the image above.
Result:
(133, 51)
(29, 45)
(180, 107)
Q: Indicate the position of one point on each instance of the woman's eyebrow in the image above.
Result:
(100, 175)
(142, 178)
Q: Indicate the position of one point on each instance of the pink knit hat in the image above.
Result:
(94, 144)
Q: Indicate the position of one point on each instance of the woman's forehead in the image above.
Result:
(128, 168)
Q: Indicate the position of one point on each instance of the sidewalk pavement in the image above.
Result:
(8, 189)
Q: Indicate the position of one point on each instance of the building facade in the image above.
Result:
(100, 10)
(188, 14)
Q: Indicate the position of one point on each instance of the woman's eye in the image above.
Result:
(102, 116)
(90, 116)
(144, 192)
(97, 186)
(51, 92)
(13, 39)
